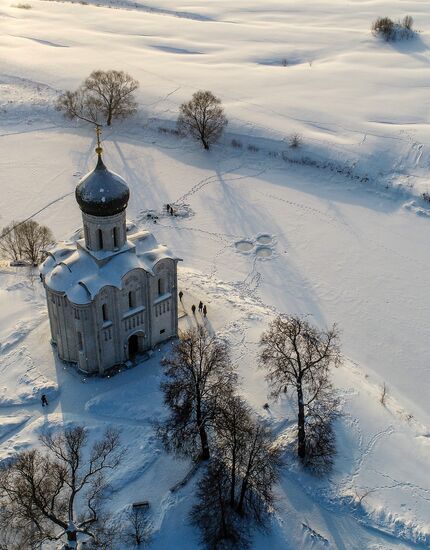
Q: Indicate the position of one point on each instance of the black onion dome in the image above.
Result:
(102, 192)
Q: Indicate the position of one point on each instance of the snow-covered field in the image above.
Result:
(345, 241)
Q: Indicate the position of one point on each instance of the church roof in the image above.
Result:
(102, 192)
(72, 270)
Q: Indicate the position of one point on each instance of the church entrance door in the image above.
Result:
(133, 346)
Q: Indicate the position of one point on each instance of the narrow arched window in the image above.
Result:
(115, 237)
(161, 289)
(105, 312)
(80, 342)
(132, 299)
(100, 238)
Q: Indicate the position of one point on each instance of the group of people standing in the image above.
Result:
(202, 309)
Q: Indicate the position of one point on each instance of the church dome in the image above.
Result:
(102, 192)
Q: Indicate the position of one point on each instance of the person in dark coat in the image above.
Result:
(44, 400)
(193, 309)
(205, 311)
(180, 295)
(200, 306)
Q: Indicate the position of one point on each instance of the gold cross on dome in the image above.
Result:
(99, 149)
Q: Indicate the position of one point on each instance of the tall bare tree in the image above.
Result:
(219, 525)
(199, 372)
(104, 94)
(59, 493)
(25, 241)
(236, 493)
(202, 118)
(298, 357)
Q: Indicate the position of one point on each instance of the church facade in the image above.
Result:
(111, 295)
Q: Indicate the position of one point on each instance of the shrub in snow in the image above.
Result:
(390, 30)
(426, 196)
(202, 118)
(295, 140)
(236, 143)
(253, 148)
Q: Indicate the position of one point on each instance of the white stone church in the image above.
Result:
(111, 296)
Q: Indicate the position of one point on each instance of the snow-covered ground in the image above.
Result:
(343, 242)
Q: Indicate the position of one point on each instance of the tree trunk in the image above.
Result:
(233, 480)
(301, 442)
(243, 490)
(109, 118)
(71, 537)
(202, 431)
(205, 445)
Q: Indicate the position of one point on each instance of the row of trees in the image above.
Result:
(108, 95)
(209, 420)
(58, 492)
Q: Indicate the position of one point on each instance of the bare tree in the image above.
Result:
(219, 525)
(199, 372)
(139, 528)
(25, 241)
(202, 118)
(60, 493)
(107, 94)
(236, 493)
(80, 105)
(299, 356)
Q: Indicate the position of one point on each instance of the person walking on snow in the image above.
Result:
(200, 306)
(205, 311)
(193, 309)
(44, 400)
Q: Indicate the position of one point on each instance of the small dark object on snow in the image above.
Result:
(44, 400)
(142, 504)
(205, 311)
(193, 309)
(266, 406)
(180, 295)
(172, 212)
(41, 277)
(200, 306)
(167, 207)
